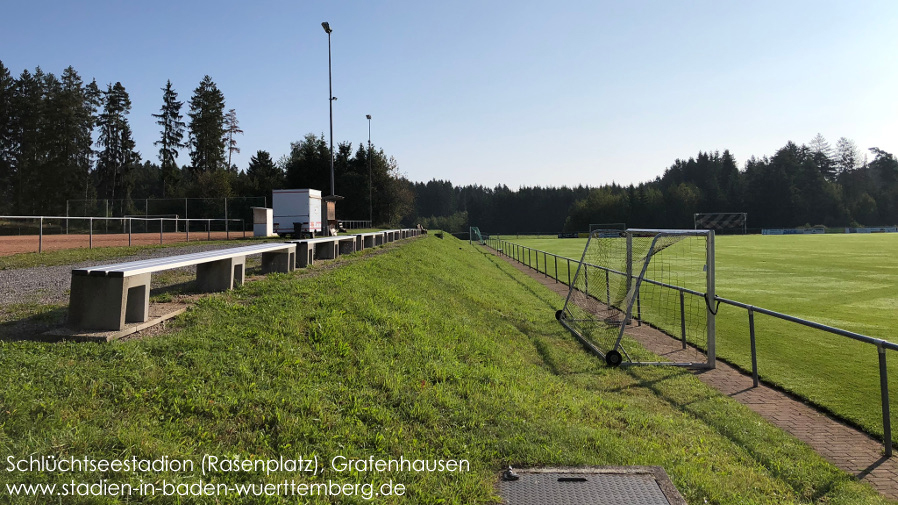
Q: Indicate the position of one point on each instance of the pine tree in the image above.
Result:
(7, 138)
(207, 130)
(822, 154)
(232, 127)
(263, 174)
(29, 145)
(847, 155)
(77, 115)
(118, 157)
(171, 121)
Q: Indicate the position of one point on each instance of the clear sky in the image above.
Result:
(494, 92)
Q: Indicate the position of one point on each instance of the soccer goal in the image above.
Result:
(474, 235)
(658, 278)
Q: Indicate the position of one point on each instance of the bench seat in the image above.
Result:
(106, 297)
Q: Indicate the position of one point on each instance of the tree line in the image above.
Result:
(808, 184)
(63, 139)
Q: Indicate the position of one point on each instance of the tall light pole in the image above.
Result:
(330, 88)
(370, 199)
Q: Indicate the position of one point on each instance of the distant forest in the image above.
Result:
(62, 139)
(813, 184)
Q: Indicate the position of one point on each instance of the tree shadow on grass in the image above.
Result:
(739, 434)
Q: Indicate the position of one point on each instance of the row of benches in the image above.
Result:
(107, 297)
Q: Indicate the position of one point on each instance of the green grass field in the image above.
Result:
(435, 349)
(846, 281)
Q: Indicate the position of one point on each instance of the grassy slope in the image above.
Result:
(846, 281)
(432, 350)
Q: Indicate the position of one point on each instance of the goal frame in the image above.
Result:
(613, 356)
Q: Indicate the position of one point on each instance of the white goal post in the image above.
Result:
(662, 278)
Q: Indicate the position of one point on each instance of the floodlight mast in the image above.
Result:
(330, 88)
(370, 198)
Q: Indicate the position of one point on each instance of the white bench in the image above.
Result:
(108, 296)
(322, 248)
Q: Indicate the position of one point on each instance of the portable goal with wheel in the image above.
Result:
(661, 278)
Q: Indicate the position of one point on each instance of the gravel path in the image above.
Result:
(50, 284)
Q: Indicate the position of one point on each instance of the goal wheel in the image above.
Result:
(559, 314)
(613, 358)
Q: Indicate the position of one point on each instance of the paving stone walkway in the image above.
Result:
(848, 448)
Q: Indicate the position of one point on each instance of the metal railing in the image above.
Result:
(40, 225)
(530, 257)
(355, 224)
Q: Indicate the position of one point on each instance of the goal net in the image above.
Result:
(733, 222)
(475, 236)
(660, 278)
(607, 226)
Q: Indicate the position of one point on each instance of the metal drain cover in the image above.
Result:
(633, 485)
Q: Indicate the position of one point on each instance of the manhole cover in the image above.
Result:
(644, 485)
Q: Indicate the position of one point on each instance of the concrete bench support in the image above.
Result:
(220, 275)
(281, 261)
(347, 246)
(107, 303)
(326, 250)
(305, 254)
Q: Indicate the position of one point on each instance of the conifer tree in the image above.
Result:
(172, 123)
(118, 157)
(232, 127)
(29, 145)
(207, 130)
(7, 146)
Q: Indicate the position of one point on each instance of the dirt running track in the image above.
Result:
(16, 244)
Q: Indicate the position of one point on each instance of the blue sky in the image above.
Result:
(488, 92)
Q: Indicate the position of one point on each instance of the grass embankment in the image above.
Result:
(433, 350)
(845, 281)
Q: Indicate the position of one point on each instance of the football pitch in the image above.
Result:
(846, 281)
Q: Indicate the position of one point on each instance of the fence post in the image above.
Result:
(884, 390)
(187, 228)
(556, 269)
(130, 226)
(754, 351)
(160, 231)
(545, 264)
(40, 238)
(682, 319)
(208, 229)
(90, 220)
(568, 271)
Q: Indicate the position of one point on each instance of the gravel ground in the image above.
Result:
(50, 284)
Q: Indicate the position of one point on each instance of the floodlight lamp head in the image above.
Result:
(368, 116)
(327, 27)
